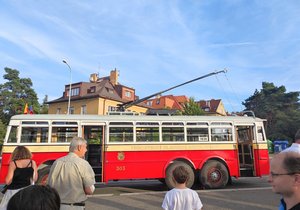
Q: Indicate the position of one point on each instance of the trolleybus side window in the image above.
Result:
(34, 132)
(121, 132)
(197, 131)
(221, 132)
(260, 134)
(34, 135)
(147, 132)
(63, 131)
(172, 131)
(12, 138)
(244, 133)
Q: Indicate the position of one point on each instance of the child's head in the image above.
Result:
(180, 174)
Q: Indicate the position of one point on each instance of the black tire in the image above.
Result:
(43, 175)
(169, 174)
(162, 180)
(213, 175)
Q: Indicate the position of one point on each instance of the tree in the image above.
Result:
(2, 132)
(191, 108)
(14, 94)
(280, 109)
(44, 107)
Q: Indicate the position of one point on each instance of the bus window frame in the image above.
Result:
(172, 126)
(256, 127)
(51, 126)
(140, 124)
(128, 124)
(198, 124)
(33, 126)
(8, 131)
(222, 125)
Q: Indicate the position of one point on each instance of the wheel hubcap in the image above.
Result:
(215, 176)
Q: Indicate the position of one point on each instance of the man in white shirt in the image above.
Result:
(295, 147)
(73, 177)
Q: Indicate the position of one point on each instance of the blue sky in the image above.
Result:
(155, 44)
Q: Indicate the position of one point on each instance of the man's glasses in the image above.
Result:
(289, 174)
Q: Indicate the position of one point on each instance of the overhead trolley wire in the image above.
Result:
(226, 96)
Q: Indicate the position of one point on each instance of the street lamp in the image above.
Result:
(70, 88)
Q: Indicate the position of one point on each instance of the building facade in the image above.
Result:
(213, 107)
(99, 96)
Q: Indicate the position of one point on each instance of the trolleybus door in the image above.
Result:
(94, 134)
(245, 138)
(260, 151)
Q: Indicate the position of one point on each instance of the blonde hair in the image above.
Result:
(20, 152)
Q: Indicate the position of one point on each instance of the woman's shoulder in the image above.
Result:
(24, 163)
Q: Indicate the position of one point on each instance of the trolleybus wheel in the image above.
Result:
(169, 174)
(43, 175)
(214, 174)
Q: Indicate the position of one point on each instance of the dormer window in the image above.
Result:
(128, 94)
(74, 91)
(110, 90)
(93, 89)
(149, 103)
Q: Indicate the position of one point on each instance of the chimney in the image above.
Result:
(93, 77)
(114, 74)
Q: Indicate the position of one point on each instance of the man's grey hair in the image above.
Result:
(75, 142)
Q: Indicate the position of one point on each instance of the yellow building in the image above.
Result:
(214, 107)
(99, 96)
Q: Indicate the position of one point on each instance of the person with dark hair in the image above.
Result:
(285, 179)
(35, 197)
(72, 176)
(295, 147)
(22, 171)
(181, 197)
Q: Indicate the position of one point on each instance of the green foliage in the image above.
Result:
(14, 94)
(2, 132)
(191, 108)
(280, 109)
(44, 108)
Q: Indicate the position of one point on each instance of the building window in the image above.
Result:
(128, 94)
(75, 91)
(72, 110)
(149, 103)
(58, 110)
(83, 109)
(92, 89)
(157, 101)
(109, 90)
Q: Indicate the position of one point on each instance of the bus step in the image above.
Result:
(246, 172)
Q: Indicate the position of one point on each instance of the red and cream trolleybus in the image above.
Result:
(122, 147)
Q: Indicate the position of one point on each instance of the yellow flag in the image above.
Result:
(26, 109)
